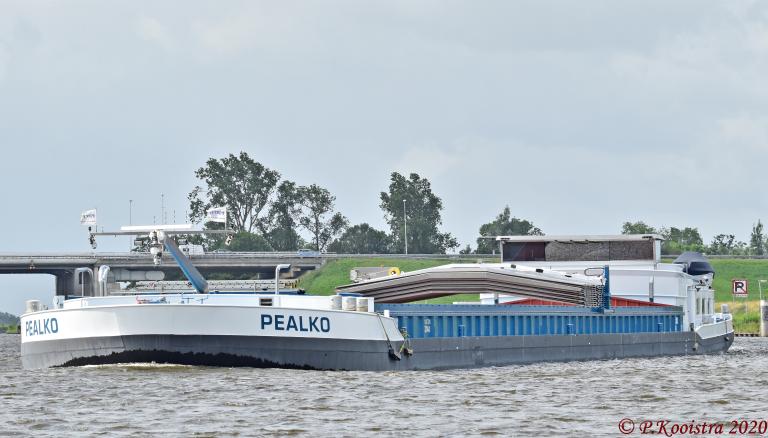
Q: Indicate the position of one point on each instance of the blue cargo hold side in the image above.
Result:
(447, 321)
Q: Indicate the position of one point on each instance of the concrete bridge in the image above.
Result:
(74, 271)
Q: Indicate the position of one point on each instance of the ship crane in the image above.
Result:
(160, 239)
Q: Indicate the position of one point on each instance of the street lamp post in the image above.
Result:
(405, 221)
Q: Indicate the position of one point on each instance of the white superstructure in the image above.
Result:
(636, 270)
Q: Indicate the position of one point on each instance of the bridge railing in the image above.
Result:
(233, 254)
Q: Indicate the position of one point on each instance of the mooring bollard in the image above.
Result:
(763, 318)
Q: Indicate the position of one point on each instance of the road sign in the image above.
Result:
(740, 288)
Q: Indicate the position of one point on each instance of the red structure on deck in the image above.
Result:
(615, 302)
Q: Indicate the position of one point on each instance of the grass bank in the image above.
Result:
(746, 311)
(336, 273)
(10, 329)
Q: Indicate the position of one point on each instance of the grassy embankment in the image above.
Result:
(746, 311)
(10, 329)
(335, 273)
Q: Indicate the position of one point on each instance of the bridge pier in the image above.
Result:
(64, 282)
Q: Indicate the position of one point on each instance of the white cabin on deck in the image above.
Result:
(636, 269)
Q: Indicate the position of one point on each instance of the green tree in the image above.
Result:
(257, 202)
(423, 209)
(317, 216)
(757, 240)
(241, 184)
(8, 319)
(361, 239)
(678, 240)
(283, 215)
(244, 241)
(740, 248)
(723, 244)
(504, 225)
(638, 227)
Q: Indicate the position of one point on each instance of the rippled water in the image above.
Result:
(577, 399)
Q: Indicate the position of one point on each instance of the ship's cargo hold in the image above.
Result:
(448, 320)
(471, 279)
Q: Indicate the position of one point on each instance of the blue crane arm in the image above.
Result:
(190, 271)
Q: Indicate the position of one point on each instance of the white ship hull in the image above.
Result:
(237, 334)
(207, 334)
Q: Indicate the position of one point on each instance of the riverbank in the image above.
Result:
(746, 311)
(9, 329)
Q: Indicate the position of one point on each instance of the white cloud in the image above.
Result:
(432, 161)
(5, 59)
(152, 30)
(579, 116)
(717, 58)
(497, 103)
(227, 36)
(735, 147)
(277, 26)
(748, 133)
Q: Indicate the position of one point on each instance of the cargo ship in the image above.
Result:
(548, 299)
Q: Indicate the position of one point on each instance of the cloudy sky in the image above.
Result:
(578, 115)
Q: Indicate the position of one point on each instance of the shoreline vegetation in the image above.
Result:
(9, 323)
(9, 329)
(746, 311)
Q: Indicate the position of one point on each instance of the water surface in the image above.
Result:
(575, 399)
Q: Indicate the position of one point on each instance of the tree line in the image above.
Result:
(678, 240)
(270, 213)
(8, 319)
